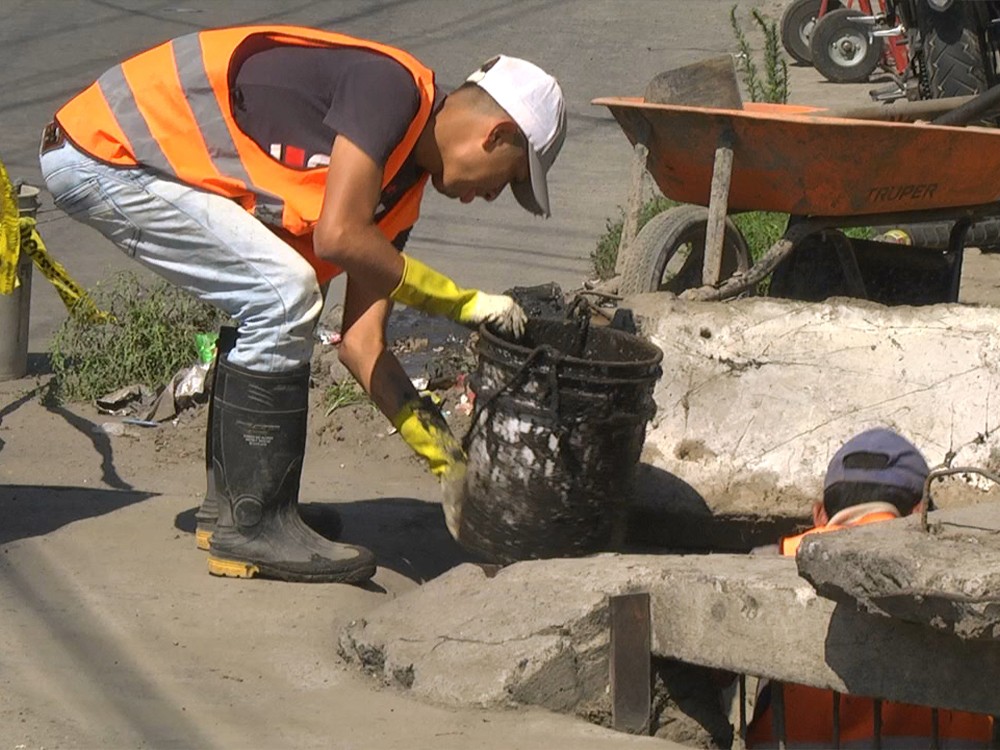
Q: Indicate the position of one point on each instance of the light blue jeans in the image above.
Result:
(203, 243)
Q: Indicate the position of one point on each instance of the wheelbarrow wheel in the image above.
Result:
(843, 49)
(797, 23)
(668, 254)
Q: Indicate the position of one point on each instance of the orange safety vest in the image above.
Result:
(809, 715)
(809, 723)
(169, 109)
(790, 544)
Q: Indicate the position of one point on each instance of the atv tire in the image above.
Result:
(954, 63)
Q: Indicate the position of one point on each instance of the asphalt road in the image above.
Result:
(50, 49)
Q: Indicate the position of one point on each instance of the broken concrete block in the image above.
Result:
(756, 615)
(948, 579)
(521, 637)
(538, 634)
(758, 394)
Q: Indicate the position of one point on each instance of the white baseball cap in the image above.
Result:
(535, 102)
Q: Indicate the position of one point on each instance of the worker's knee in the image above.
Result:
(305, 308)
(300, 296)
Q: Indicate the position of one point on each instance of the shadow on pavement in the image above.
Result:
(29, 510)
(406, 535)
(100, 440)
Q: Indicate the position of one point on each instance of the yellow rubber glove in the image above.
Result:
(425, 289)
(421, 424)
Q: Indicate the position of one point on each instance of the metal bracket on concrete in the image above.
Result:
(630, 663)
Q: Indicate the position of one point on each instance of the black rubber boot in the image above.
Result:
(208, 514)
(258, 445)
(327, 520)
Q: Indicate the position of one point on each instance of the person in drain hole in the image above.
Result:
(877, 475)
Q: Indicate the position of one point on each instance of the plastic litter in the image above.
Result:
(327, 336)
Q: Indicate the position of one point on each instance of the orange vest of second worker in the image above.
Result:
(169, 109)
(809, 711)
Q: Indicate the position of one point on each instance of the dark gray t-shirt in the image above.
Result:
(294, 101)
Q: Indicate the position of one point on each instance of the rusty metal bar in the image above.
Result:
(630, 663)
(743, 710)
(778, 713)
(836, 720)
(718, 205)
(877, 721)
(935, 729)
(995, 738)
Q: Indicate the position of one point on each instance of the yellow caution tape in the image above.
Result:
(20, 233)
(77, 301)
(10, 234)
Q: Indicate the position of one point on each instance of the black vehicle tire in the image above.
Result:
(797, 22)
(843, 50)
(954, 62)
(668, 254)
(984, 234)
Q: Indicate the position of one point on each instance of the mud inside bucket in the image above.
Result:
(559, 425)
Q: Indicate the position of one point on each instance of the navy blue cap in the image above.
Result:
(903, 466)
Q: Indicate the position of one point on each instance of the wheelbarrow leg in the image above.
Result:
(718, 204)
(956, 244)
(640, 154)
(848, 263)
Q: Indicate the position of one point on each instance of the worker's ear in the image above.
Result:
(918, 508)
(504, 131)
(819, 514)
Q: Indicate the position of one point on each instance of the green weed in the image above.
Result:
(772, 86)
(149, 336)
(345, 393)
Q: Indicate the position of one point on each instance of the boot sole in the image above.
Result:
(219, 566)
(203, 537)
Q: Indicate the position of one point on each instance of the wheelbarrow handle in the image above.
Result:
(927, 109)
(975, 109)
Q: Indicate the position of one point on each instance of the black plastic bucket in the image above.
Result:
(559, 425)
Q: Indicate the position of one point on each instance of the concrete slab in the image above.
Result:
(538, 632)
(948, 579)
(757, 394)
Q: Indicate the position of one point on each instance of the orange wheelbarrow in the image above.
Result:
(828, 170)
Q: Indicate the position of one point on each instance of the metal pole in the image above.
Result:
(15, 308)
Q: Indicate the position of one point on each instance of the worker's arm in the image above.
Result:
(363, 351)
(346, 234)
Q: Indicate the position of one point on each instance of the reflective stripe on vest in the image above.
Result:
(169, 109)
